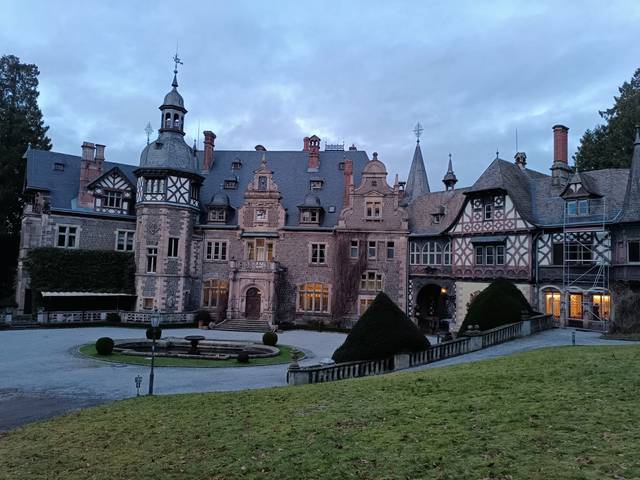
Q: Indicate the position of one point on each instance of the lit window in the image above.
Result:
(259, 250)
(152, 259)
(172, 251)
(216, 250)
(391, 250)
(372, 249)
(354, 249)
(373, 209)
(575, 305)
(67, 236)
(552, 304)
(364, 303)
(214, 293)
(113, 199)
(318, 253)
(313, 297)
(371, 281)
(124, 240)
(601, 306)
(633, 251)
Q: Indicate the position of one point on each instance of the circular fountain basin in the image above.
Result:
(208, 349)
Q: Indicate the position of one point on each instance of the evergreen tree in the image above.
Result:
(611, 145)
(21, 124)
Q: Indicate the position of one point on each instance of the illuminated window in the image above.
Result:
(575, 305)
(371, 281)
(259, 250)
(552, 304)
(364, 303)
(313, 297)
(214, 293)
(601, 306)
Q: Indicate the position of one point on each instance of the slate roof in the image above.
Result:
(289, 167)
(421, 211)
(417, 182)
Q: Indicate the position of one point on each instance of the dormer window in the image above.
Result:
(310, 216)
(230, 184)
(316, 184)
(373, 209)
(113, 199)
(577, 208)
(236, 165)
(218, 214)
(58, 167)
(374, 183)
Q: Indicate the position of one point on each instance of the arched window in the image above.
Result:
(414, 257)
(167, 121)
(176, 121)
(432, 253)
(447, 254)
(313, 297)
(214, 293)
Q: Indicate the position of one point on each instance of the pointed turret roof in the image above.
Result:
(632, 196)
(450, 178)
(417, 183)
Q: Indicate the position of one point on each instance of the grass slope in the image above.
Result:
(89, 350)
(562, 413)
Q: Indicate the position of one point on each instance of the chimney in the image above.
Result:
(209, 145)
(90, 169)
(353, 147)
(521, 160)
(305, 147)
(348, 183)
(560, 170)
(314, 154)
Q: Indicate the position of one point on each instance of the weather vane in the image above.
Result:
(418, 131)
(176, 61)
(148, 131)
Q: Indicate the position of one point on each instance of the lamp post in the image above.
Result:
(155, 322)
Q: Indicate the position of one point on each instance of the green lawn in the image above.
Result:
(90, 350)
(562, 413)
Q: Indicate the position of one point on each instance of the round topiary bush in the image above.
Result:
(382, 331)
(113, 317)
(202, 317)
(501, 303)
(270, 339)
(104, 346)
(154, 332)
(243, 357)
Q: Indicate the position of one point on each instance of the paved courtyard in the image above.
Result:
(41, 373)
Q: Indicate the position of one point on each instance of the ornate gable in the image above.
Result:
(113, 192)
(262, 209)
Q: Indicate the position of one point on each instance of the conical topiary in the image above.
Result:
(382, 331)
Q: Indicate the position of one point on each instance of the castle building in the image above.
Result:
(262, 237)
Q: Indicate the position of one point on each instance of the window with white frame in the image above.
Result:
(113, 199)
(432, 253)
(414, 254)
(364, 301)
(488, 210)
(152, 259)
(214, 293)
(67, 236)
(218, 214)
(354, 249)
(446, 254)
(319, 253)
(154, 185)
(313, 297)
(371, 280)
(216, 250)
(309, 216)
(372, 249)
(391, 250)
(124, 240)
(261, 215)
(259, 250)
(373, 209)
(172, 250)
(578, 208)
(489, 254)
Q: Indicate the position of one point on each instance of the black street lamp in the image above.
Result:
(155, 322)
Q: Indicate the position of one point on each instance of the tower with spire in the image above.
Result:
(167, 207)
(417, 182)
(450, 178)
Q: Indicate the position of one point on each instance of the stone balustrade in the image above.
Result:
(253, 266)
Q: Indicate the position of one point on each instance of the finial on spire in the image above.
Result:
(417, 130)
(497, 153)
(176, 62)
(148, 130)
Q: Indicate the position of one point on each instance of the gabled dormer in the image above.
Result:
(219, 209)
(262, 210)
(113, 192)
(311, 210)
(579, 194)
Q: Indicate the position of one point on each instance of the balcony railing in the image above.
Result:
(260, 266)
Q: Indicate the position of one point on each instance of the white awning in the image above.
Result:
(85, 294)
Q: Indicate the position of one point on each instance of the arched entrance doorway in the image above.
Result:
(430, 307)
(252, 303)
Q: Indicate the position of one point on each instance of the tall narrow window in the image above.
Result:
(479, 255)
(372, 249)
(354, 249)
(215, 293)
(488, 211)
(499, 254)
(173, 247)
(557, 254)
(601, 306)
(489, 258)
(391, 250)
(262, 183)
(552, 304)
(446, 254)
(575, 305)
(152, 259)
(414, 254)
(124, 240)
(318, 253)
(633, 251)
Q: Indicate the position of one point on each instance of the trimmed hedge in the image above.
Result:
(501, 303)
(270, 339)
(151, 332)
(104, 346)
(113, 317)
(202, 316)
(243, 357)
(65, 270)
(382, 331)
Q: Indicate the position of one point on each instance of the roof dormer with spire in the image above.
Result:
(450, 178)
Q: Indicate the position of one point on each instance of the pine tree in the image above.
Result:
(611, 145)
(21, 124)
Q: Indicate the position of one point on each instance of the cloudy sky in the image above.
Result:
(360, 72)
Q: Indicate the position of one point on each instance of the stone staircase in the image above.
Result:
(244, 325)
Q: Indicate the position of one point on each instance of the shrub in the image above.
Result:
(501, 303)
(627, 306)
(151, 332)
(113, 317)
(104, 346)
(243, 357)
(270, 339)
(202, 317)
(382, 331)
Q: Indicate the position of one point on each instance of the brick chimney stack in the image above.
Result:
(348, 183)
(313, 164)
(305, 147)
(209, 146)
(91, 167)
(560, 170)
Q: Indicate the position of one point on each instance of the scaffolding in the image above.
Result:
(585, 266)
